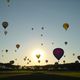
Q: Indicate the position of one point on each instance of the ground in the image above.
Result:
(39, 75)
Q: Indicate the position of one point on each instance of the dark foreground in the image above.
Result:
(39, 76)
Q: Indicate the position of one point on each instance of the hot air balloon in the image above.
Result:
(46, 61)
(29, 60)
(64, 56)
(2, 55)
(15, 50)
(66, 42)
(5, 25)
(64, 61)
(58, 53)
(17, 46)
(42, 28)
(25, 56)
(41, 35)
(41, 44)
(6, 50)
(38, 56)
(2, 50)
(39, 61)
(78, 57)
(8, 1)
(5, 32)
(65, 26)
(52, 43)
(76, 62)
(73, 54)
(16, 59)
(24, 59)
(32, 28)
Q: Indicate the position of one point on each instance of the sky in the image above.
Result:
(23, 15)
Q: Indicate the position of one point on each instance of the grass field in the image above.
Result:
(71, 74)
(39, 75)
(14, 73)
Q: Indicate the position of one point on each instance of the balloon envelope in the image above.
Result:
(64, 61)
(38, 56)
(41, 35)
(5, 24)
(5, 32)
(32, 28)
(17, 46)
(24, 59)
(76, 61)
(29, 60)
(78, 57)
(2, 55)
(58, 53)
(6, 50)
(66, 42)
(64, 56)
(39, 61)
(46, 61)
(52, 43)
(8, 1)
(73, 54)
(16, 59)
(15, 50)
(41, 44)
(65, 26)
(42, 28)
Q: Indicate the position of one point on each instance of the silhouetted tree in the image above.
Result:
(11, 62)
(76, 62)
